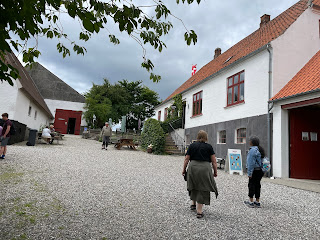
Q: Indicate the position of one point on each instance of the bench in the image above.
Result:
(221, 161)
(125, 142)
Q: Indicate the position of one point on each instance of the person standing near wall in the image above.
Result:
(106, 133)
(5, 135)
(254, 171)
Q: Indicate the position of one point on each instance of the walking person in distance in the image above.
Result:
(106, 133)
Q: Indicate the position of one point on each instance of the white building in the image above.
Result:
(230, 96)
(22, 101)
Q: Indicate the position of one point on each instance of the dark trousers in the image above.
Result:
(105, 141)
(254, 184)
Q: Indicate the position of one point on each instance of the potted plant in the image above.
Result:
(149, 149)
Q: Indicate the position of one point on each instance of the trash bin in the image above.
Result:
(32, 137)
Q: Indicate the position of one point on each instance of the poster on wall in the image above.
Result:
(235, 161)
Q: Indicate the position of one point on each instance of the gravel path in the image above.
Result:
(78, 191)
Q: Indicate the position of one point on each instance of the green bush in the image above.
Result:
(176, 123)
(153, 134)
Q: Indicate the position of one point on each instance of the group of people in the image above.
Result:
(200, 169)
(48, 134)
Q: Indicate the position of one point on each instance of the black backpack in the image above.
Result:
(12, 130)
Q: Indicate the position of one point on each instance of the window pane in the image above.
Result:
(194, 108)
(235, 94)
(241, 91)
(230, 82)
(198, 96)
(197, 108)
(194, 97)
(236, 79)
(200, 106)
(242, 76)
(229, 96)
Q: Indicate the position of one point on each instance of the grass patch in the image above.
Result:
(10, 176)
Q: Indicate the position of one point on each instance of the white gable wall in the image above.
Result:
(16, 103)
(66, 105)
(214, 101)
(293, 49)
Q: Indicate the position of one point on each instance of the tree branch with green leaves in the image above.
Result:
(22, 20)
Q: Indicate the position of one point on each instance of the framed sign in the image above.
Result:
(234, 159)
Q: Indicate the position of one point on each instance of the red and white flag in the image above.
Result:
(194, 69)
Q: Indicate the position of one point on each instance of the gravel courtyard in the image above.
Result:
(78, 191)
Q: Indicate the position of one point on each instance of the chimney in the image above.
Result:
(264, 19)
(217, 53)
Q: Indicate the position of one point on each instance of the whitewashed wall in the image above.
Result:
(8, 97)
(161, 108)
(214, 101)
(295, 48)
(281, 139)
(22, 109)
(66, 105)
(16, 103)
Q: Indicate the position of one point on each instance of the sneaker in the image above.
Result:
(257, 204)
(249, 204)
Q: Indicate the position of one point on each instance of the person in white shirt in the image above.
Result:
(46, 134)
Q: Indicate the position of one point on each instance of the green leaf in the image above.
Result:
(88, 25)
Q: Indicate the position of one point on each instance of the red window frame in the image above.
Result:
(165, 113)
(197, 104)
(222, 136)
(159, 115)
(235, 89)
(241, 135)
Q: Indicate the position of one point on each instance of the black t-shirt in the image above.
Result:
(200, 151)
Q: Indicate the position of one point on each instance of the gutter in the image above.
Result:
(296, 95)
(270, 50)
(240, 60)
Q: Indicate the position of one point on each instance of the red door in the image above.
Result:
(305, 143)
(67, 121)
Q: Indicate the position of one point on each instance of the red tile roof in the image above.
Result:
(253, 42)
(306, 80)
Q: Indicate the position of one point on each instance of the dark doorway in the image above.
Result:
(184, 115)
(71, 125)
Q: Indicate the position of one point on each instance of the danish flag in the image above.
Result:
(194, 69)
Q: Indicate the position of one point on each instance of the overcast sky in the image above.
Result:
(217, 24)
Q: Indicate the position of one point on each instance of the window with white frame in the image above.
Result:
(241, 135)
(165, 113)
(159, 116)
(29, 111)
(222, 137)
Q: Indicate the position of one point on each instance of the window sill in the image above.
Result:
(222, 143)
(235, 104)
(195, 116)
(240, 143)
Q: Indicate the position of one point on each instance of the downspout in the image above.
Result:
(270, 106)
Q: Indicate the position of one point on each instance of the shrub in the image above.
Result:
(153, 134)
(176, 123)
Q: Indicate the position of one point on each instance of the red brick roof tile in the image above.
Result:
(251, 43)
(306, 80)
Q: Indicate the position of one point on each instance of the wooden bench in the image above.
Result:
(125, 142)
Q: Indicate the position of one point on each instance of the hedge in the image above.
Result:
(153, 134)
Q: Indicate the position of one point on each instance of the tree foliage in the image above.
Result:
(131, 99)
(25, 20)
